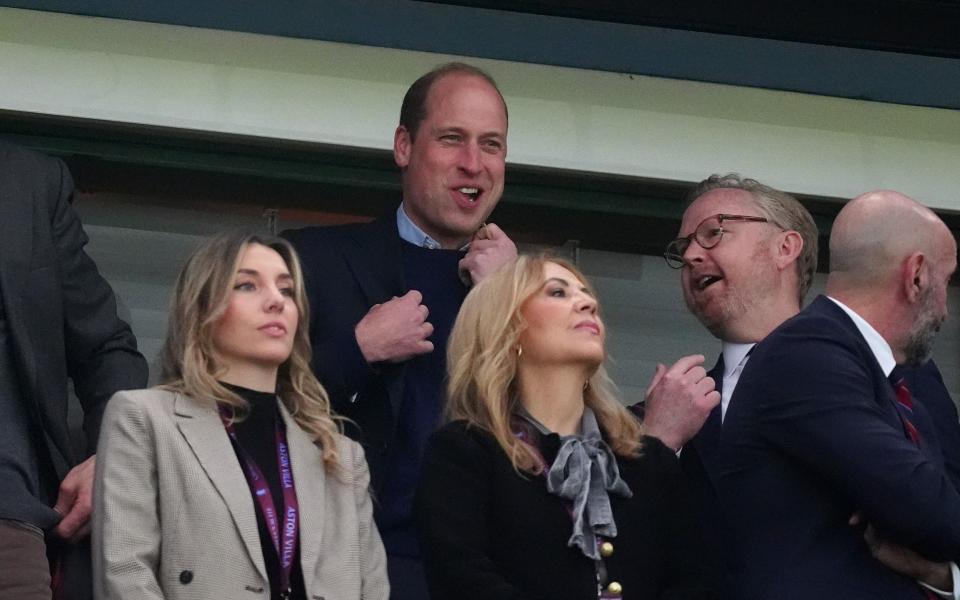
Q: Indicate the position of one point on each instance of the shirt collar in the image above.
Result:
(409, 232)
(879, 346)
(733, 355)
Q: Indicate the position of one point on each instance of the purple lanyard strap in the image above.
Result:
(285, 538)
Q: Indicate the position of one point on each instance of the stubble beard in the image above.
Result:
(737, 304)
(919, 343)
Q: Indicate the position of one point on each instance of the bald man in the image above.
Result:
(815, 431)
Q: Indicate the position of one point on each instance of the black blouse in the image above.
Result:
(256, 434)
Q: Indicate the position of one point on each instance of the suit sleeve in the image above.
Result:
(126, 525)
(820, 404)
(685, 576)
(451, 513)
(373, 558)
(101, 351)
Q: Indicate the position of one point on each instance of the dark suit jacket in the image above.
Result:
(926, 385)
(61, 314)
(348, 269)
(488, 532)
(812, 435)
(698, 460)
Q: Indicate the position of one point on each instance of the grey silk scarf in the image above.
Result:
(583, 473)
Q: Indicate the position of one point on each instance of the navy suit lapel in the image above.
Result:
(376, 260)
(707, 441)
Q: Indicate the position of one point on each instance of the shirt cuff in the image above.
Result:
(955, 576)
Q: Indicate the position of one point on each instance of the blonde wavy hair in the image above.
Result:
(191, 364)
(482, 364)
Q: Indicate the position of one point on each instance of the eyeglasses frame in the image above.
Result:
(720, 217)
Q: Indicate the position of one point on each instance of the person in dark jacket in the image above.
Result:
(58, 321)
(542, 484)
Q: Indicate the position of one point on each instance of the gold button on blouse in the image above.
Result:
(606, 549)
(615, 588)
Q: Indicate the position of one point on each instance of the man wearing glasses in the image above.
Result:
(740, 290)
(778, 506)
(747, 256)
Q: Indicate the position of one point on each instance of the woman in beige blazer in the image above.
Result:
(231, 480)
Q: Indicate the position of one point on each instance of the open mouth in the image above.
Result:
(706, 281)
(471, 193)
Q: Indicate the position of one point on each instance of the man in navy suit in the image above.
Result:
(748, 255)
(384, 295)
(816, 432)
(928, 388)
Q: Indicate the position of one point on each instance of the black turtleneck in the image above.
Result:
(256, 434)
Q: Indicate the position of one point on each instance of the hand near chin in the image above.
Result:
(395, 330)
(489, 250)
(678, 401)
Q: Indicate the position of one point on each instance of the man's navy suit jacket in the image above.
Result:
(926, 384)
(812, 435)
(347, 269)
(698, 459)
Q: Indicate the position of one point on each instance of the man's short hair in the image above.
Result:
(414, 108)
(782, 209)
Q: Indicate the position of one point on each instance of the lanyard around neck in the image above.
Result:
(284, 538)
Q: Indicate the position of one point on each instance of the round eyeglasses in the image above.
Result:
(708, 234)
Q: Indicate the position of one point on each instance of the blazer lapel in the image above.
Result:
(707, 440)
(310, 478)
(376, 261)
(201, 426)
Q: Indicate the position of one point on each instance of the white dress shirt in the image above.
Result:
(735, 357)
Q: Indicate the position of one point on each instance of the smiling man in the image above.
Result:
(384, 295)
(747, 255)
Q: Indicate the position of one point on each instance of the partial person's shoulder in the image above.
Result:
(464, 436)
(350, 451)
(313, 236)
(815, 333)
(153, 400)
(352, 469)
(19, 157)
(23, 169)
(821, 317)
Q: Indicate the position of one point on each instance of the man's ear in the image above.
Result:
(914, 277)
(401, 147)
(789, 249)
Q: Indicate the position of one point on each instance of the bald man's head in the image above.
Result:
(891, 259)
(876, 231)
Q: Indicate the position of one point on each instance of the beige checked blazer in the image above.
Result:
(174, 518)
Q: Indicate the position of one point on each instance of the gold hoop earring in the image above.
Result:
(519, 351)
